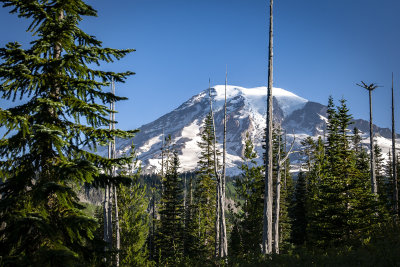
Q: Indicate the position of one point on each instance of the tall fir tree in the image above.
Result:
(361, 154)
(170, 242)
(247, 235)
(342, 209)
(204, 201)
(132, 206)
(42, 154)
(382, 178)
(134, 219)
(299, 210)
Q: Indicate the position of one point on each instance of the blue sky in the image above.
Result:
(321, 48)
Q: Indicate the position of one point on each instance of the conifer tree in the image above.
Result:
(249, 190)
(361, 154)
(342, 210)
(299, 210)
(134, 218)
(171, 214)
(356, 140)
(307, 150)
(204, 191)
(42, 154)
(382, 179)
(188, 236)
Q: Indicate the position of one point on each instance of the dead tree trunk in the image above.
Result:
(162, 162)
(117, 230)
(218, 181)
(394, 168)
(267, 213)
(370, 88)
(109, 189)
(114, 174)
(277, 197)
(109, 217)
(284, 165)
(105, 216)
(224, 240)
(278, 191)
(106, 204)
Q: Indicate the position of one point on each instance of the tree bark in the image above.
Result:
(217, 221)
(109, 218)
(374, 188)
(280, 162)
(278, 198)
(105, 215)
(114, 174)
(118, 239)
(370, 88)
(394, 168)
(224, 241)
(109, 189)
(218, 182)
(267, 213)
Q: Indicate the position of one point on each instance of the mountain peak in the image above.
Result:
(246, 108)
(257, 97)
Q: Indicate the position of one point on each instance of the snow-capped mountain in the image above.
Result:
(246, 112)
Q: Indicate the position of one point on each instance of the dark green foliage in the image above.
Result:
(188, 236)
(308, 149)
(383, 250)
(285, 223)
(362, 157)
(202, 221)
(170, 240)
(382, 178)
(133, 219)
(299, 210)
(42, 154)
(341, 208)
(246, 235)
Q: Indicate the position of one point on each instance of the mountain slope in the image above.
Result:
(246, 109)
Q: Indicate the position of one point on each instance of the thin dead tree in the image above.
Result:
(114, 174)
(108, 201)
(267, 213)
(153, 219)
(223, 238)
(218, 180)
(284, 165)
(370, 88)
(394, 167)
(221, 241)
(106, 208)
(280, 163)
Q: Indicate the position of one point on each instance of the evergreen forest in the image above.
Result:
(340, 209)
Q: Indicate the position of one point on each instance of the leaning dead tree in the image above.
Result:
(267, 213)
(370, 88)
(280, 163)
(221, 240)
(394, 167)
